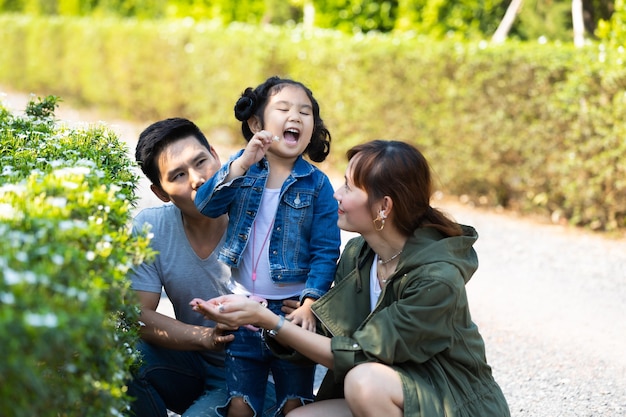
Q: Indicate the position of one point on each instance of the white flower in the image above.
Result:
(57, 259)
(72, 224)
(13, 277)
(59, 202)
(70, 185)
(41, 320)
(7, 212)
(7, 298)
(103, 245)
(86, 163)
(70, 171)
(57, 163)
(12, 188)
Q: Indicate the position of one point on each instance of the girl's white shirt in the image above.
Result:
(260, 236)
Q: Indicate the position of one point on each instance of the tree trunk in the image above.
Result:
(578, 23)
(308, 12)
(507, 21)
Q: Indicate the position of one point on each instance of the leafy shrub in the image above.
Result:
(519, 125)
(465, 19)
(66, 312)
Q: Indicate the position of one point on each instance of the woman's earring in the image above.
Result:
(379, 222)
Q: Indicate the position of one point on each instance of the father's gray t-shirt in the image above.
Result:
(177, 268)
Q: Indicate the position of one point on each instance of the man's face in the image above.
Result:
(184, 165)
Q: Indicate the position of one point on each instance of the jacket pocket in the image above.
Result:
(298, 199)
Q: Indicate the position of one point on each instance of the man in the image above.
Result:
(182, 363)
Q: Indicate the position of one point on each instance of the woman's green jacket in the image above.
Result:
(421, 326)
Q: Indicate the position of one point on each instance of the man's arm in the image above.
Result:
(164, 331)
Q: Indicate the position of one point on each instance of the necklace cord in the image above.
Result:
(255, 262)
(380, 260)
(381, 263)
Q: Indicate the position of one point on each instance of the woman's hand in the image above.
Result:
(235, 310)
(239, 310)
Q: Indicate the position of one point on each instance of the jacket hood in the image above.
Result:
(428, 246)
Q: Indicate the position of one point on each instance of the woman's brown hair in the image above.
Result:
(400, 171)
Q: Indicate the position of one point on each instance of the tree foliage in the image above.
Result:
(613, 29)
(549, 19)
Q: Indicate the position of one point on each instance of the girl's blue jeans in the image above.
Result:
(183, 382)
(248, 363)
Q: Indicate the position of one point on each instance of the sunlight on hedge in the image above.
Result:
(68, 319)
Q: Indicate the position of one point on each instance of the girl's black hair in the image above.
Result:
(253, 102)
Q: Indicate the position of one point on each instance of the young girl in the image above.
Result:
(282, 240)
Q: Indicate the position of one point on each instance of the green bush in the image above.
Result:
(67, 315)
(464, 19)
(534, 127)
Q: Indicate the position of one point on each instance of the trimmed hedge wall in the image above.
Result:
(537, 128)
(68, 319)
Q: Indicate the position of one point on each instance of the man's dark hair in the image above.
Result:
(157, 136)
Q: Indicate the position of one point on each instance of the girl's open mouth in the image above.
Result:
(291, 135)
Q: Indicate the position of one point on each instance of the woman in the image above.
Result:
(397, 336)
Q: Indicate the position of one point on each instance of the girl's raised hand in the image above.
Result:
(256, 148)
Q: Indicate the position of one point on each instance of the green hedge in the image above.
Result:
(66, 309)
(534, 127)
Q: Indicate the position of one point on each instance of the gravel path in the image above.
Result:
(551, 305)
(550, 302)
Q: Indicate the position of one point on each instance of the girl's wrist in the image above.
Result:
(237, 168)
(242, 166)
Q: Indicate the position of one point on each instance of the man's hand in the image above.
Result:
(289, 306)
(219, 336)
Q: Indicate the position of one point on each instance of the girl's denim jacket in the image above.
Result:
(305, 240)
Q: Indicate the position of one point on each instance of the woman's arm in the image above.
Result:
(237, 310)
(312, 345)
